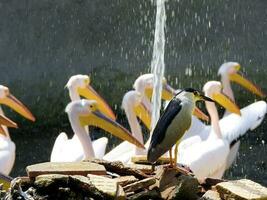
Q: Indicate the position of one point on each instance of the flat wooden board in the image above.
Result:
(142, 159)
(67, 168)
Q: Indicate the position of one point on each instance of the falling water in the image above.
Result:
(157, 64)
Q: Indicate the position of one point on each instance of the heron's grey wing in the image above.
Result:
(169, 114)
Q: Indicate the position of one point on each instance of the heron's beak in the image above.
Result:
(98, 119)
(16, 105)
(6, 122)
(143, 113)
(204, 98)
(167, 92)
(89, 93)
(199, 114)
(235, 77)
(226, 103)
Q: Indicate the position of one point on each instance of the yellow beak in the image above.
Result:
(6, 181)
(6, 122)
(235, 77)
(16, 105)
(198, 113)
(226, 103)
(167, 92)
(89, 93)
(98, 119)
(143, 113)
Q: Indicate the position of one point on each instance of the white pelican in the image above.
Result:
(229, 72)
(207, 158)
(86, 112)
(7, 146)
(133, 107)
(79, 85)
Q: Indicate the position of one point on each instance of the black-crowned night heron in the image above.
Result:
(173, 124)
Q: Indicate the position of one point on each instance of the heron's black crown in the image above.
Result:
(191, 90)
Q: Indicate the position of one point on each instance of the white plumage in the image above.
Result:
(70, 150)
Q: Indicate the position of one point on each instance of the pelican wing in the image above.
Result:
(233, 126)
(99, 146)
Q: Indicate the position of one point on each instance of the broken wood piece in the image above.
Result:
(67, 168)
(142, 159)
(125, 180)
(118, 168)
(139, 184)
(147, 169)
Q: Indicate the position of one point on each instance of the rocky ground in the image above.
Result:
(99, 179)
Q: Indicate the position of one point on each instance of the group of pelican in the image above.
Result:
(208, 150)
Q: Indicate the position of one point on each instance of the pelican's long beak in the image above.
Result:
(143, 113)
(89, 93)
(96, 118)
(167, 92)
(6, 122)
(199, 114)
(226, 103)
(16, 105)
(235, 77)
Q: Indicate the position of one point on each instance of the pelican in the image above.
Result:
(86, 112)
(5, 149)
(7, 146)
(133, 107)
(79, 85)
(144, 85)
(173, 124)
(232, 126)
(207, 158)
(229, 72)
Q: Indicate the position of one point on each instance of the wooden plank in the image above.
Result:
(67, 168)
(142, 159)
(147, 169)
(139, 185)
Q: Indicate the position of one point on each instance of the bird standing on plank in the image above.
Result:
(173, 124)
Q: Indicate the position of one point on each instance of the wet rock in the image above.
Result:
(125, 180)
(211, 195)
(241, 190)
(139, 185)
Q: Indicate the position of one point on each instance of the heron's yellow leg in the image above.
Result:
(176, 152)
(170, 152)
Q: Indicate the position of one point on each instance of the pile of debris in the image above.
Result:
(99, 179)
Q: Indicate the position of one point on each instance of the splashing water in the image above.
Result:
(157, 64)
